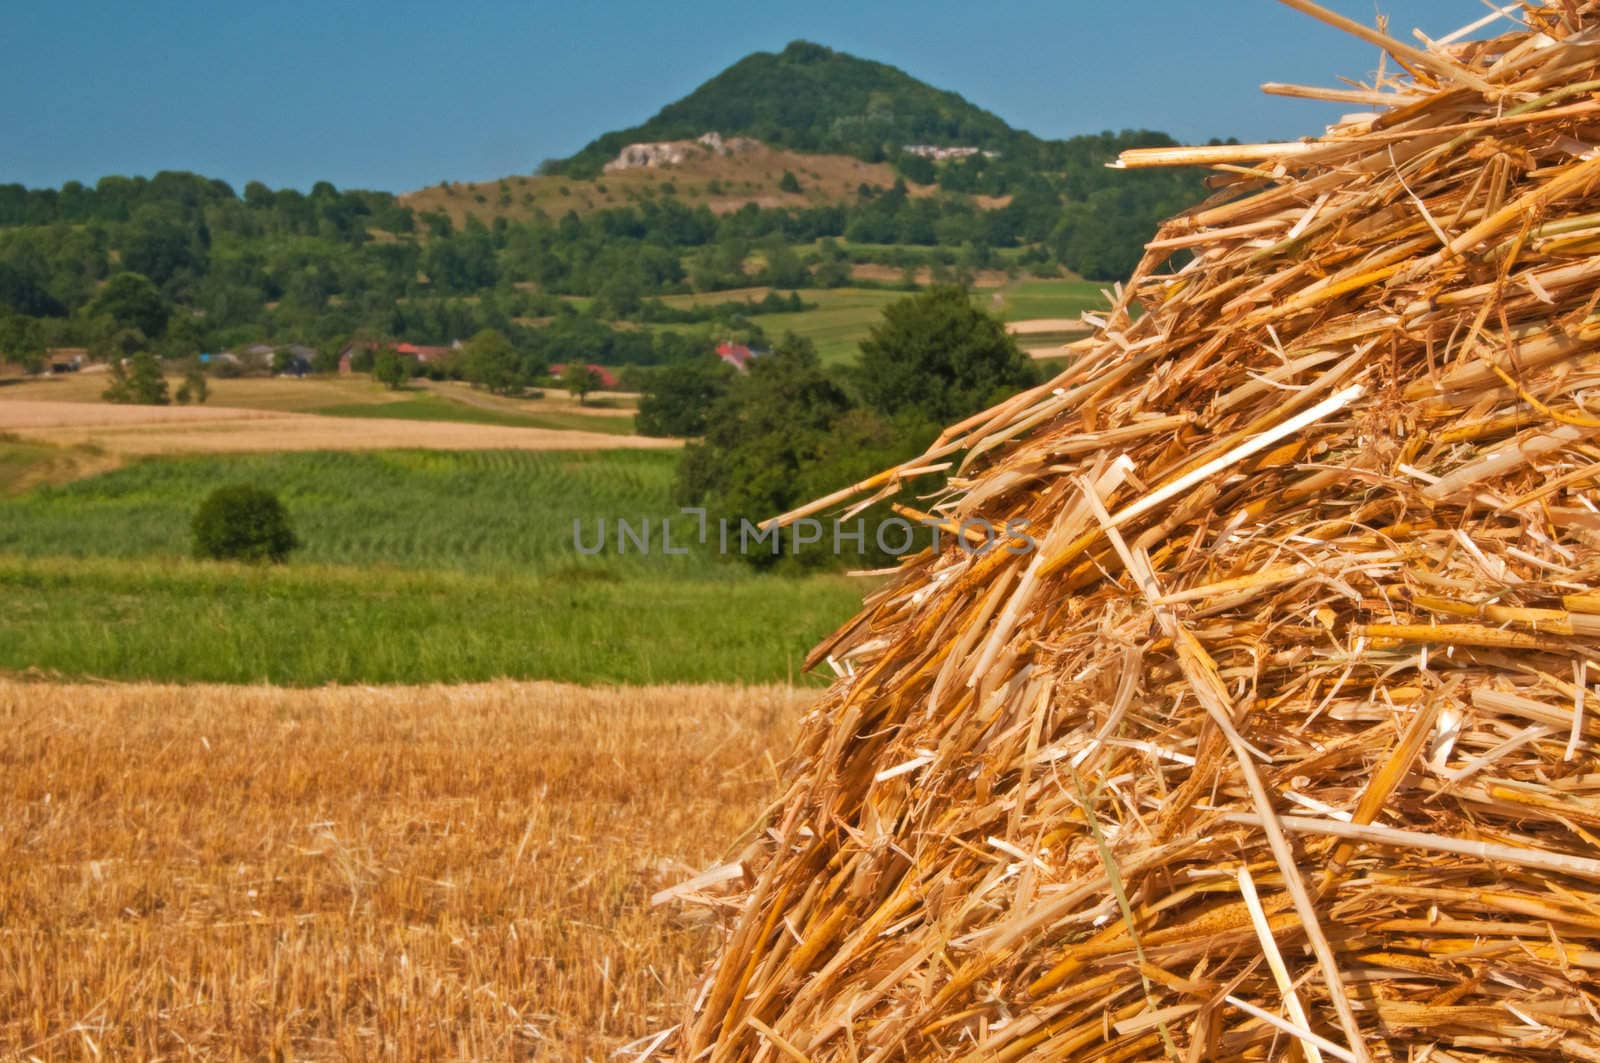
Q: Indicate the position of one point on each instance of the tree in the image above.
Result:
(936, 357)
(390, 369)
(789, 183)
(490, 361)
(675, 399)
(164, 245)
(784, 268)
(145, 382)
(918, 168)
(773, 423)
(137, 381)
(132, 301)
(243, 523)
(580, 379)
(22, 341)
(194, 387)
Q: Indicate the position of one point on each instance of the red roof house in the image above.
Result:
(608, 379)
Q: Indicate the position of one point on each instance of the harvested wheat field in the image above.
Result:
(354, 873)
(1275, 744)
(139, 430)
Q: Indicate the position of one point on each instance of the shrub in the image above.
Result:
(243, 523)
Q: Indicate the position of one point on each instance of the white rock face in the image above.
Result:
(933, 151)
(674, 152)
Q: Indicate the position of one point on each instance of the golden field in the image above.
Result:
(143, 430)
(228, 435)
(307, 394)
(456, 872)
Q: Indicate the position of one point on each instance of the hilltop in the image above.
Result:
(814, 99)
(811, 128)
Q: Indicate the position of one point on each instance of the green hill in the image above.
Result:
(814, 99)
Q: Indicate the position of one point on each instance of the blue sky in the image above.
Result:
(404, 94)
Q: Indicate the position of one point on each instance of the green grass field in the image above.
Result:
(839, 323)
(418, 566)
(305, 625)
(844, 316)
(1025, 300)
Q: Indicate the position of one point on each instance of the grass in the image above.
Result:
(418, 566)
(463, 510)
(844, 316)
(303, 625)
(23, 463)
(355, 873)
(1028, 299)
(839, 323)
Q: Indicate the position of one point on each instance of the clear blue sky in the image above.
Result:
(403, 94)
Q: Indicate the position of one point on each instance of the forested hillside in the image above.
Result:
(205, 266)
(814, 99)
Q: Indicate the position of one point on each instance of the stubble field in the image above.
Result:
(355, 873)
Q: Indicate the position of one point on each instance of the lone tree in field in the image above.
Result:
(389, 368)
(243, 523)
(492, 362)
(579, 380)
(137, 381)
(194, 387)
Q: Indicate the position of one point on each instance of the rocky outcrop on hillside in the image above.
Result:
(674, 152)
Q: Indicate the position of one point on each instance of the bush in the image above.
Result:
(243, 523)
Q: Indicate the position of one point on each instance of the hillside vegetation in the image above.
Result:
(827, 198)
(813, 99)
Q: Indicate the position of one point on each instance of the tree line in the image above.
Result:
(232, 268)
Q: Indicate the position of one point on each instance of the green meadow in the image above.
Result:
(842, 317)
(418, 566)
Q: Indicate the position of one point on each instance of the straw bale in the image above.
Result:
(1275, 744)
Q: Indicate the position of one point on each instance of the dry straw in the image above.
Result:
(1276, 747)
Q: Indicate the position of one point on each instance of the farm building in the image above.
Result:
(607, 378)
(67, 359)
(738, 355)
(424, 354)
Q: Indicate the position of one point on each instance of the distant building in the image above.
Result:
(607, 378)
(738, 355)
(422, 353)
(66, 359)
(295, 365)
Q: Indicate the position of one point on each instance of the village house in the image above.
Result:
(66, 359)
(738, 355)
(608, 379)
(422, 353)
